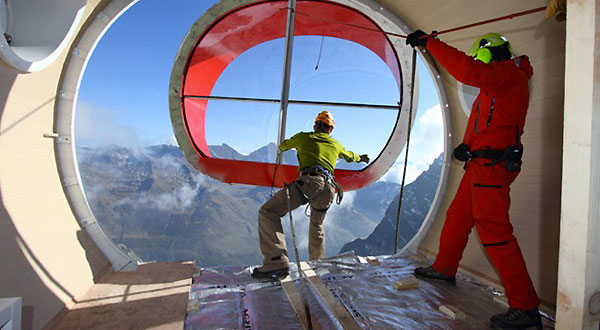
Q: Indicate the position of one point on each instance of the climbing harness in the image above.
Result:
(320, 170)
(329, 178)
(315, 171)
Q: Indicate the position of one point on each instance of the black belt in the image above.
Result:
(316, 171)
(493, 154)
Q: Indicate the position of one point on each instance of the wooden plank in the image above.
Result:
(335, 306)
(295, 299)
(406, 283)
(373, 261)
(501, 300)
(453, 312)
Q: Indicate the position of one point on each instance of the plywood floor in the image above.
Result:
(152, 297)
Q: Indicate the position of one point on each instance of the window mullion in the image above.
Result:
(302, 102)
(287, 66)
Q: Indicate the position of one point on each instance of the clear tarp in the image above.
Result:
(228, 297)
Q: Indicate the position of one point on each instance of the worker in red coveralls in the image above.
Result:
(491, 150)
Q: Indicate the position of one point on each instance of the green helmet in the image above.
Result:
(480, 49)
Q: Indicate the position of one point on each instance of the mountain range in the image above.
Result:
(416, 201)
(153, 202)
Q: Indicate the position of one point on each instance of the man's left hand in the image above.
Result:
(364, 158)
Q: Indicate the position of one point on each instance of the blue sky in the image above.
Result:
(127, 77)
(347, 73)
(123, 97)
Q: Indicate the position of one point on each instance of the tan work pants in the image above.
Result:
(320, 192)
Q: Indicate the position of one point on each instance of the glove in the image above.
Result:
(364, 158)
(461, 152)
(414, 39)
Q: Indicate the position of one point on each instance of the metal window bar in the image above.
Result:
(323, 103)
(287, 68)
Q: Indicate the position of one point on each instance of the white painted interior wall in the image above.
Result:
(47, 259)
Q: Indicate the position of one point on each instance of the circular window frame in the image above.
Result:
(30, 50)
(66, 98)
(255, 173)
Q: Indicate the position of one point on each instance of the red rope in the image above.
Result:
(352, 25)
(511, 16)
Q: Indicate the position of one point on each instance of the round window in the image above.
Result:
(233, 68)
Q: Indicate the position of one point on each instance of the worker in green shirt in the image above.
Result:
(317, 155)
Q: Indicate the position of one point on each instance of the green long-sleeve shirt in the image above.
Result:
(318, 149)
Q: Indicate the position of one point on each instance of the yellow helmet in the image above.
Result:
(480, 50)
(326, 118)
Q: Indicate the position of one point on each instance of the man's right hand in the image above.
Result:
(417, 38)
(462, 153)
(364, 158)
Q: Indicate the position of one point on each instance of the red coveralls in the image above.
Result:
(482, 200)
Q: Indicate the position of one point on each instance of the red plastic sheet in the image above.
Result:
(249, 26)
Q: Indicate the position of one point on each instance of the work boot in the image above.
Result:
(430, 274)
(270, 274)
(517, 319)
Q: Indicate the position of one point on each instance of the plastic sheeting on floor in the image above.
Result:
(229, 298)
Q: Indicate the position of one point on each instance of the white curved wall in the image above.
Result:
(38, 30)
(46, 257)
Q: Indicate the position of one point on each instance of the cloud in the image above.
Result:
(335, 210)
(426, 144)
(100, 126)
(97, 126)
(180, 199)
(412, 172)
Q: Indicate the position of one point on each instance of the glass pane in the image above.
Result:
(242, 36)
(339, 58)
(256, 73)
(423, 170)
(360, 130)
(242, 130)
(347, 72)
